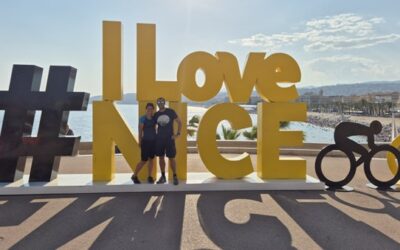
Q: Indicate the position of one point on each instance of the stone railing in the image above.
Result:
(238, 147)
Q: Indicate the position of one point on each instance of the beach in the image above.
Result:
(330, 120)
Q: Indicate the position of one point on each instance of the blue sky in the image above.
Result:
(333, 41)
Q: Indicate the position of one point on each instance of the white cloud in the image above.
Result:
(344, 31)
(350, 68)
(360, 64)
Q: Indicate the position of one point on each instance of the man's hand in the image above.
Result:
(175, 136)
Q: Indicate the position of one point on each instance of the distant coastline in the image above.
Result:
(345, 89)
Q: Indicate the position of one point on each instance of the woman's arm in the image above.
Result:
(141, 125)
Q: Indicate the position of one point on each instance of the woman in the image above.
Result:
(147, 137)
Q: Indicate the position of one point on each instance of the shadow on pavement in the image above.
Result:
(131, 226)
(329, 227)
(260, 232)
(16, 211)
(387, 202)
(155, 221)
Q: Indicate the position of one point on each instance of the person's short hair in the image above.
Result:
(149, 104)
(160, 99)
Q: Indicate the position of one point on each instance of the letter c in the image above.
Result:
(220, 166)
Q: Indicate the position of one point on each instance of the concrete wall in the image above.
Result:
(238, 147)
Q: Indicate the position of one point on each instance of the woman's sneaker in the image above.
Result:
(135, 179)
(150, 180)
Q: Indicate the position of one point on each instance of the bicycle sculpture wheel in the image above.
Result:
(368, 172)
(334, 183)
(343, 143)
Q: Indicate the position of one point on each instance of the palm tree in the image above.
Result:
(194, 120)
(230, 134)
(252, 134)
(284, 124)
(192, 126)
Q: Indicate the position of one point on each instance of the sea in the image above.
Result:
(81, 123)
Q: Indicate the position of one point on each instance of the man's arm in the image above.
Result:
(179, 122)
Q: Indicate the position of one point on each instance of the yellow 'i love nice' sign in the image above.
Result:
(261, 71)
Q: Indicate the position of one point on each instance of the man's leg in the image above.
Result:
(171, 153)
(160, 153)
(173, 165)
(162, 164)
(162, 168)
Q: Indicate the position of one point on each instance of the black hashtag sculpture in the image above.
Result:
(20, 103)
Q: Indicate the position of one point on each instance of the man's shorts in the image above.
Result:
(165, 146)
(147, 149)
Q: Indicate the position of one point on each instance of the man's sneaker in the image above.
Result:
(135, 179)
(162, 180)
(150, 180)
(175, 180)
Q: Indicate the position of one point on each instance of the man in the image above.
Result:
(345, 130)
(165, 139)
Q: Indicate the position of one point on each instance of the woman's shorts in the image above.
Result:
(147, 149)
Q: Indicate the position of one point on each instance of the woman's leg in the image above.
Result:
(139, 167)
(150, 167)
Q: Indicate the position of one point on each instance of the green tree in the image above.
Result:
(194, 121)
(252, 134)
(230, 134)
(192, 126)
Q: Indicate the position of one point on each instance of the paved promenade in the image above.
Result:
(362, 219)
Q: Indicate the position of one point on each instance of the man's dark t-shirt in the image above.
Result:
(149, 128)
(165, 122)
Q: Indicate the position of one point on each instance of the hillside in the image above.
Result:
(329, 90)
(354, 88)
(128, 99)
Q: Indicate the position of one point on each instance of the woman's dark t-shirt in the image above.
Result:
(149, 128)
(165, 122)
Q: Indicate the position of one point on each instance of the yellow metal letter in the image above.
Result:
(278, 68)
(109, 127)
(147, 86)
(270, 139)
(391, 158)
(239, 87)
(112, 61)
(187, 76)
(220, 166)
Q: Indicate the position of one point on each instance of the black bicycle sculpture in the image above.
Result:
(342, 143)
